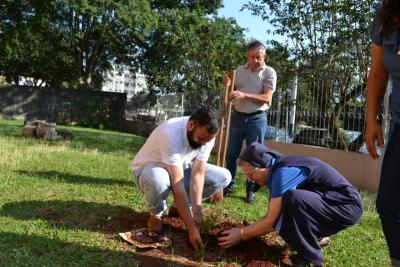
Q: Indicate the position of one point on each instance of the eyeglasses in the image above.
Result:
(249, 174)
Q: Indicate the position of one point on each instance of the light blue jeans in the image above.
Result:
(154, 181)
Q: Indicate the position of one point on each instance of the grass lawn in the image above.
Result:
(58, 201)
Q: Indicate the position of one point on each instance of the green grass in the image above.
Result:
(59, 202)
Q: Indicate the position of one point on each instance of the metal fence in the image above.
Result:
(312, 114)
(316, 117)
(166, 107)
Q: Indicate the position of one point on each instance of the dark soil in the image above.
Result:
(267, 251)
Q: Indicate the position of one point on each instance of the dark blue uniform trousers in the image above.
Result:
(307, 216)
(388, 200)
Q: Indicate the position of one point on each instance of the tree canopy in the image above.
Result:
(330, 40)
(181, 45)
(190, 53)
(71, 43)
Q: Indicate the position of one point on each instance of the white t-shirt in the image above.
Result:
(168, 144)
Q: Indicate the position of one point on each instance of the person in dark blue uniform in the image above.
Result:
(309, 200)
(385, 66)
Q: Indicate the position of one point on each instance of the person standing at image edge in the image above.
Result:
(385, 66)
(255, 84)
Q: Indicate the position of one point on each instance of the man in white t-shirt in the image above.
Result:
(174, 157)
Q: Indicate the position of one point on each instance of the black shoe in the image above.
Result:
(251, 197)
(228, 190)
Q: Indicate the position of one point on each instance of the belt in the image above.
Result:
(250, 114)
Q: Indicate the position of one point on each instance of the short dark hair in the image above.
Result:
(255, 45)
(206, 117)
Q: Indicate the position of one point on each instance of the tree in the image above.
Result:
(330, 39)
(189, 52)
(71, 43)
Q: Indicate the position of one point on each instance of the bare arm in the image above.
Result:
(182, 204)
(264, 98)
(261, 227)
(265, 224)
(376, 88)
(197, 185)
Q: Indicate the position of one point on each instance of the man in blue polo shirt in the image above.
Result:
(309, 200)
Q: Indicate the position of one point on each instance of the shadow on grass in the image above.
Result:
(104, 141)
(73, 214)
(95, 217)
(31, 250)
(74, 178)
(110, 220)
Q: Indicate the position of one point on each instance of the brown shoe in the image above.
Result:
(154, 223)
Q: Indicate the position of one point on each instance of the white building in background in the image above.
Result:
(121, 80)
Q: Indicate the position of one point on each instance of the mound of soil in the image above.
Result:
(252, 252)
(266, 251)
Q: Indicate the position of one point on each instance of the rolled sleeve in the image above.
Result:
(270, 79)
(205, 151)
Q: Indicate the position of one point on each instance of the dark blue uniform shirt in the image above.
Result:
(391, 60)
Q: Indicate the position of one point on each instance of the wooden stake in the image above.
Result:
(228, 118)
(220, 139)
(224, 134)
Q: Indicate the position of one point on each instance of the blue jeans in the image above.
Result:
(154, 182)
(244, 127)
(388, 199)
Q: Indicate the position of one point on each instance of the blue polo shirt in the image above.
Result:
(285, 179)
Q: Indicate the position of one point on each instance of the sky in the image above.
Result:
(256, 27)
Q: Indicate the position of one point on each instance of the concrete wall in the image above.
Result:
(138, 127)
(360, 169)
(87, 108)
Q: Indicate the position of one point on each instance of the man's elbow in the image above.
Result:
(268, 100)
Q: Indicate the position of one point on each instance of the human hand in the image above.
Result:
(237, 95)
(227, 80)
(230, 238)
(195, 238)
(373, 132)
(197, 215)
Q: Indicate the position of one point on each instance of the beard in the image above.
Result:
(193, 144)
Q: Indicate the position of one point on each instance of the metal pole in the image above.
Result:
(286, 123)
(182, 104)
(293, 104)
(278, 115)
(386, 120)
